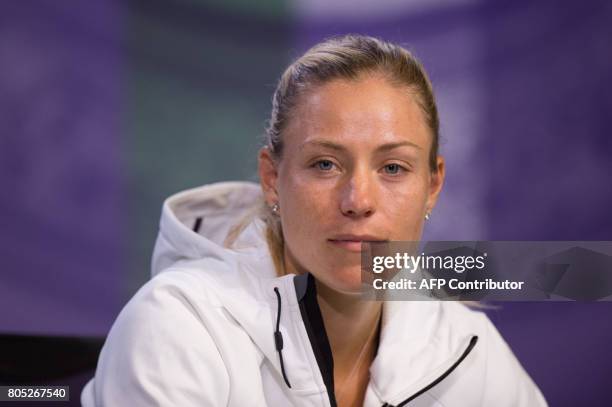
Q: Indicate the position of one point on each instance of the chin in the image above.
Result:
(344, 280)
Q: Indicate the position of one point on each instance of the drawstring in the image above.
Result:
(278, 337)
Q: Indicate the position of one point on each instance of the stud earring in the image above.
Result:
(427, 215)
(275, 208)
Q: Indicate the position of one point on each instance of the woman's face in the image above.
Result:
(355, 167)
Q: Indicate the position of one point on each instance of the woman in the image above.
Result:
(268, 313)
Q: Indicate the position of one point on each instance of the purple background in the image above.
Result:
(61, 211)
(109, 107)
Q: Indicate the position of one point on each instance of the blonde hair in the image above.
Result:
(345, 57)
(273, 233)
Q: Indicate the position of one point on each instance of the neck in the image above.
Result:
(350, 322)
(352, 325)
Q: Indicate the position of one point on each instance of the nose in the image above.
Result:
(358, 196)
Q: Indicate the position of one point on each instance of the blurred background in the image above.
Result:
(108, 107)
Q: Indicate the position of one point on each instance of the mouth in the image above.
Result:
(352, 243)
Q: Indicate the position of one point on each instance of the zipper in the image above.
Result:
(448, 371)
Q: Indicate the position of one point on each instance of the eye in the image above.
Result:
(393, 169)
(324, 165)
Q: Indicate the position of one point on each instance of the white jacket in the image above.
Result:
(201, 332)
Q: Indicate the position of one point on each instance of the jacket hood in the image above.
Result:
(193, 227)
(194, 223)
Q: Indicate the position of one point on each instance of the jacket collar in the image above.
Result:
(419, 340)
(416, 345)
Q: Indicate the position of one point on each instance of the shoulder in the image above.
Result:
(504, 378)
(185, 302)
(464, 316)
(177, 286)
(158, 345)
(172, 336)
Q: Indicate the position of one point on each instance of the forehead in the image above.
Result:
(369, 111)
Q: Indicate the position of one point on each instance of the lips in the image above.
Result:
(353, 242)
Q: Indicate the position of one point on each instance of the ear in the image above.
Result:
(435, 184)
(268, 175)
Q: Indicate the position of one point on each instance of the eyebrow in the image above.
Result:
(339, 147)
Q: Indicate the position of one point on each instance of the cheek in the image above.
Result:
(305, 205)
(404, 208)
